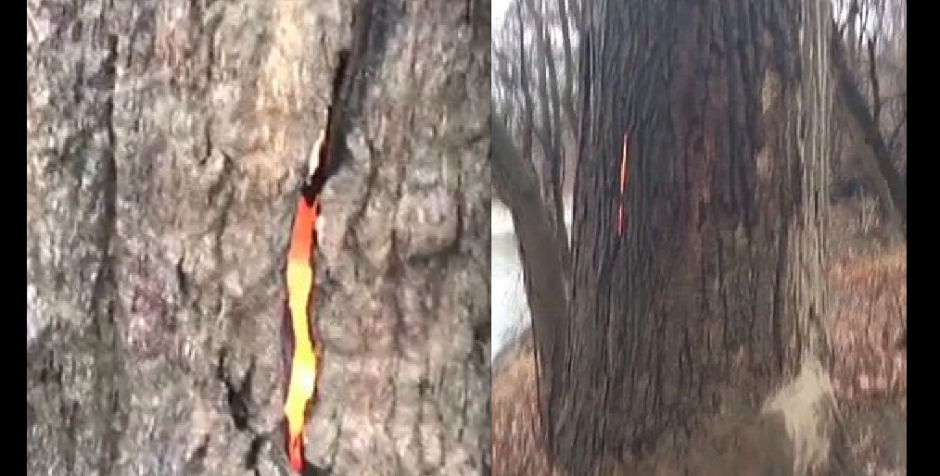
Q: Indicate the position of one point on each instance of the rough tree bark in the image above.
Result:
(165, 141)
(713, 297)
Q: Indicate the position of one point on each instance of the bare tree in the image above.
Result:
(165, 142)
(714, 294)
(869, 63)
(536, 91)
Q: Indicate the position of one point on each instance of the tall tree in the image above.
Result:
(165, 145)
(715, 290)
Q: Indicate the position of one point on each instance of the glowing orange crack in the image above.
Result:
(303, 375)
(621, 218)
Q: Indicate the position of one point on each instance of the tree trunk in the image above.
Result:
(165, 143)
(714, 292)
(516, 182)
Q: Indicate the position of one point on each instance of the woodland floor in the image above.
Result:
(868, 285)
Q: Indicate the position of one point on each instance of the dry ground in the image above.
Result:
(869, 377)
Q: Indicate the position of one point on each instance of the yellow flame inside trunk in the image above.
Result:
(303, 375)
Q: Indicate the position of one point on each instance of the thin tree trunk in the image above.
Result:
(517, 184)
(165, 142)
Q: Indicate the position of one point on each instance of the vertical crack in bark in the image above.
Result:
(108, 348)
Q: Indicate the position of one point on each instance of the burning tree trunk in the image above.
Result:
(165, 143)
(714, 293)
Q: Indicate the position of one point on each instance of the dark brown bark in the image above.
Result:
(516, 184)
(716, 286)
(165, 141)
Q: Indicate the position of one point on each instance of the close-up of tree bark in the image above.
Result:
(166, 145)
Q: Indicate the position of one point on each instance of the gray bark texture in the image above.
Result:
(165, 146)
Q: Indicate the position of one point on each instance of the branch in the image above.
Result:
(896, 133)
(873, 79)
(516, 184)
